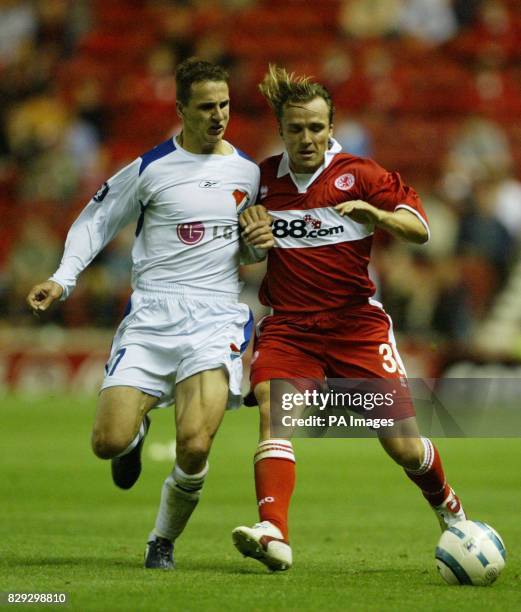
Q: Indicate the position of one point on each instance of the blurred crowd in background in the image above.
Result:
(431, 88)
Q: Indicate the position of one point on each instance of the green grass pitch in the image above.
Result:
(362, 536)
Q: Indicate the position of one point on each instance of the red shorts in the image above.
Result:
(352, 343)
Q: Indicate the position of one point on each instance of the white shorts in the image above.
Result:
(170, 335)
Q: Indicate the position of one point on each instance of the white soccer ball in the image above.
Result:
(470, 552)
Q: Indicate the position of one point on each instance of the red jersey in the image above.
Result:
(320, 259)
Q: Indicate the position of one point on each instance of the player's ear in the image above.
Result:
(179, 110)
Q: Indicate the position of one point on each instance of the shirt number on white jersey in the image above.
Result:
(117, 358)
(390, 361)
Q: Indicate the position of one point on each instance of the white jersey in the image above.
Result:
(186, 208)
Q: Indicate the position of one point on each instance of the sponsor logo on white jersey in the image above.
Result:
(242, 199)
(345, 181)
(209, 184)
(312, 222)
(190, 233)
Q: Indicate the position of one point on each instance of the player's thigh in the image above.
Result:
(119, 414)
(275, 399)
(201, 401)
(362, 345)
(283, 350)
(365, 360)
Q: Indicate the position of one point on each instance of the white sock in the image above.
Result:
(274, 448)
(179, 497)
(139, 436)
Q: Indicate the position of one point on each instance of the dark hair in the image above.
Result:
(193, 70)
(280, 87)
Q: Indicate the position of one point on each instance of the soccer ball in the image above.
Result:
(470, 552)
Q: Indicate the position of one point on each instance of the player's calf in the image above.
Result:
(126, 467)
(430, 478)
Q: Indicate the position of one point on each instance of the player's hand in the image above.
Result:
(360, 211)
(43, 295)
(259, 235)
(252, 215)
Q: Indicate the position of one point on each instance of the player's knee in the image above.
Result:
(107, 446)
(194, 450)
(262, 393)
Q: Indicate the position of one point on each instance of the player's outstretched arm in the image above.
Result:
(43, 295)
(400, 223)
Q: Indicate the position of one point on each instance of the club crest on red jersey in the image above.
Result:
(345, 181)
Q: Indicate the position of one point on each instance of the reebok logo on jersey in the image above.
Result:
(209, 184)
(99, 196)
(263, 192)
(345, 182)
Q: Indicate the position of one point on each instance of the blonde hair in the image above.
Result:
(280, 87)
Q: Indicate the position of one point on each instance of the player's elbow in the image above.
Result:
(421, 237)
(417, 233)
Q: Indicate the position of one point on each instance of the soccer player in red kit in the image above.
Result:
(325, 206)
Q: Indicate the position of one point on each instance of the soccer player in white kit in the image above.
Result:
(184, 331)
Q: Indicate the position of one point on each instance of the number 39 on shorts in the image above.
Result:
(391, 361)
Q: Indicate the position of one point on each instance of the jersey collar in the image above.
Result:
(284, 168)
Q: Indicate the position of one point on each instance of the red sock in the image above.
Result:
(274, 481)
(430, 476)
